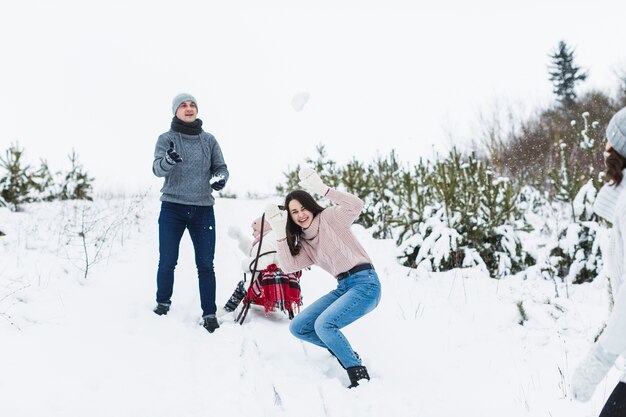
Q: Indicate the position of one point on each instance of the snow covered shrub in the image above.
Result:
(412, 201)
(577, 257)
(434, 246)
(383, 175)
(355, 177)
(569, 179)
(476, 220)
(452, 213)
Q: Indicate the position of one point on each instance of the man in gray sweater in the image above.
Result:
(191, 162)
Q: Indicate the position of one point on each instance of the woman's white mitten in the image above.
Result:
(277, 218)
(310, 181)
(591, 371)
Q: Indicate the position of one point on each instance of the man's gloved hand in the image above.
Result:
(217, 182)
(218, 185)
(171, 157)
(277, 218)
(590, 372)
(310, 181)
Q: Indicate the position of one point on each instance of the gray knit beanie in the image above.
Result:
(180, 99)
(616, 132)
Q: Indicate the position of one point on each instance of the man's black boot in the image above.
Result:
(161, 309)
(356, 373)
(211, 323)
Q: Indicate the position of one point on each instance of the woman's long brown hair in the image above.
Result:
(293, 230)
(615, 163)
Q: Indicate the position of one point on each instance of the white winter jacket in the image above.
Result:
(613, 339)
(250, 250)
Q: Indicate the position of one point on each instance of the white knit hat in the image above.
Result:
(180, 99)
(616, 132)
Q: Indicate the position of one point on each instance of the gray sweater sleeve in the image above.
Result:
(218, 166)
(160, 167)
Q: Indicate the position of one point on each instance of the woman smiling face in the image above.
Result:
(299, 214)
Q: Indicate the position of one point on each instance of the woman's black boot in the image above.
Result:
(356, 373)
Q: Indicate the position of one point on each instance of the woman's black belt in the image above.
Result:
(358, 268)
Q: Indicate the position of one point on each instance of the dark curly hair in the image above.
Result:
(293, 230)
(615, 163)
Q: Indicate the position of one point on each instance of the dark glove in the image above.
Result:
(172, 157)
(218, 185)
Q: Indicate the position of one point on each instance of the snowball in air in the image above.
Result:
(299, 100)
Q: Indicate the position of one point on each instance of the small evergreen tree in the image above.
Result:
(291, 183)
(490, 217)
(75, 184)
(412, 201)
(470, 219)
(355, 178)
(564, 74)
(383, 176)
(17, 185)
(449, 214)
(44, 184)
(576, 257)
(576, 160)
(325, 167)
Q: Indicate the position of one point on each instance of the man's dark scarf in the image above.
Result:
(193, 128)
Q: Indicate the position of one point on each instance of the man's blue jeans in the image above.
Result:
(319, 323)
(200, 220)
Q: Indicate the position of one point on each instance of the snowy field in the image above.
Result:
(79, 338)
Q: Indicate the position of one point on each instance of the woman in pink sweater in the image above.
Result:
(312, 235)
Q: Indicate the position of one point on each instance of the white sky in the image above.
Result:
(99, 76)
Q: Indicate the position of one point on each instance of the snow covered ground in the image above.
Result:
(76, 343)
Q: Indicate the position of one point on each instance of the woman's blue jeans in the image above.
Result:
(200, 221)
(319, 323)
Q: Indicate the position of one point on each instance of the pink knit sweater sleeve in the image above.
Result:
(290, 263)
(347, 209)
